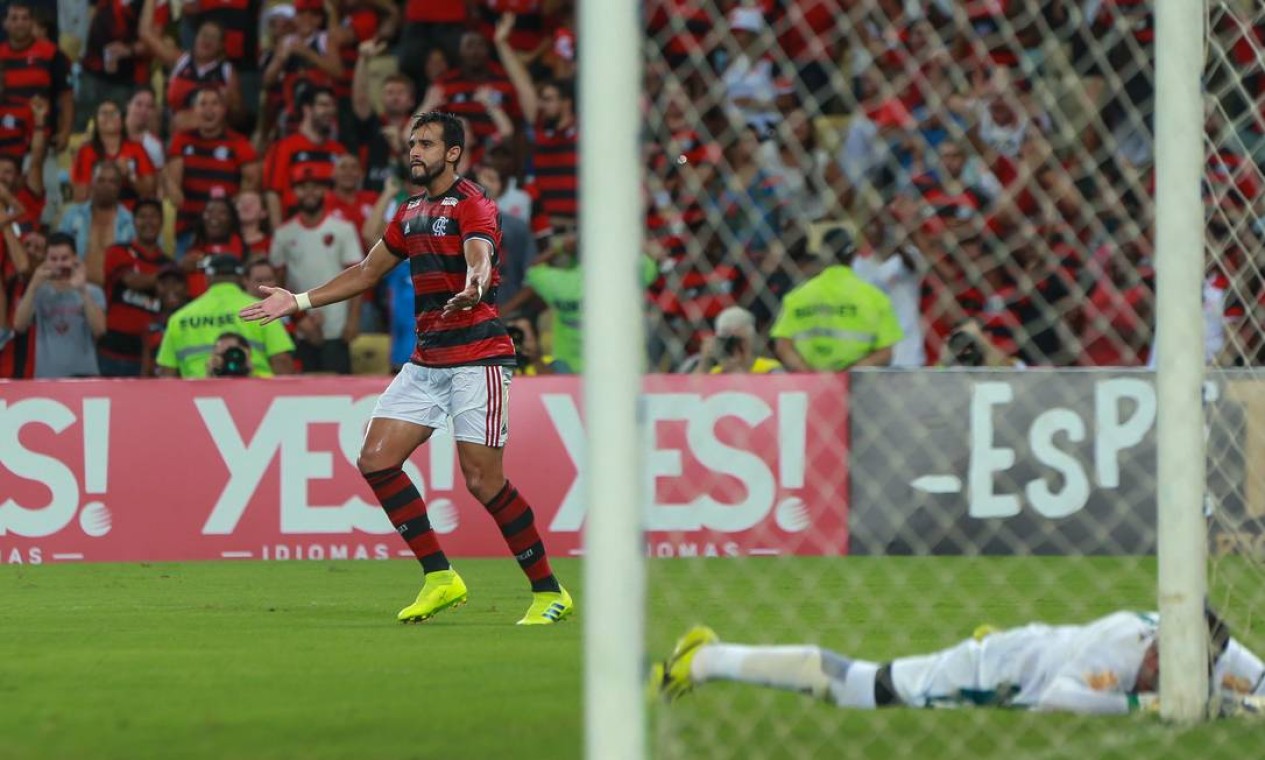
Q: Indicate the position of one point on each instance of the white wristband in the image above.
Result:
(304, 301)
(479, 288)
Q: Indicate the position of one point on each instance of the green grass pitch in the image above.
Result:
(304, 660)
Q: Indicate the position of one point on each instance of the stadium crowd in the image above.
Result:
(832, 183)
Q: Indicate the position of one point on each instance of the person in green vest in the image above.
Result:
(559, 282)
(836, 320)
(194, 330)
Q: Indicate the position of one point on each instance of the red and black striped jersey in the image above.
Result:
(459, 99)
(431, 233)
(297, 152)
(17, 125)
(131, 158)
(298, 72)
(128, 312)
(32, 71)
(17, 357)
(556, 167)
(187, 78)
(240, 21)
(212, 168)
(32, 207)
(531, 24)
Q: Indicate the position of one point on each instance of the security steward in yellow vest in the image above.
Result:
(193, 331)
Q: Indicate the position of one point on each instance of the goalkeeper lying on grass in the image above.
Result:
(1109, 666)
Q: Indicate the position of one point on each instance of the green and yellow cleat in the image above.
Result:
(548, 607)
(443, 590)
(671, 678)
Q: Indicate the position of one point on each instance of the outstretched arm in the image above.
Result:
(478, 276)
(348, 283)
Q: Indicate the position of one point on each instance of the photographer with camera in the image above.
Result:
(230, 357)
(732, 350)
(195, 332)
(522, 332)
(967, 346)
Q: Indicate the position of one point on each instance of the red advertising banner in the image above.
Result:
(158, 470)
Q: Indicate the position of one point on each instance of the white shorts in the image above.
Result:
(476, 398)
(945, 678)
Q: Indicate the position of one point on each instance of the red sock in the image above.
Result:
(406, 509)
(518, 525)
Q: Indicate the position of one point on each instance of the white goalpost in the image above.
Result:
(611, 230)
(1182, 536)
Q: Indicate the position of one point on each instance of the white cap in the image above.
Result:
(735, 320)
(280, 10)
(746, 19)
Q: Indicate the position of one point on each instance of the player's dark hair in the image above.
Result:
(839, 242)
(454, 132)
(60, 238)
(153, 203)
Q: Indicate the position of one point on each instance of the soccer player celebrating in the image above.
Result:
(1108, 666)
(450, 234)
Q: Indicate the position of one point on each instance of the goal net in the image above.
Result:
(988, 167)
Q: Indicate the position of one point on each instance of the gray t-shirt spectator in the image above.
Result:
(64, 346)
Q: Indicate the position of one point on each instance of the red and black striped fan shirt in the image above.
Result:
(556, 167)
(297, 152)
(31, 71)
(129, 312)
(17, 125)
(431, 234)
(212, 168)
(187, 78)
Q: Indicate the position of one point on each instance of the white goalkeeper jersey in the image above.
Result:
(1079, 668)
(1090, 668)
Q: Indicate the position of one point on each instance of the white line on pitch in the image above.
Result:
(764, 552)
(69, 555)
(237, 555)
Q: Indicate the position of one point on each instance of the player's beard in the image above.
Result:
(427, 174)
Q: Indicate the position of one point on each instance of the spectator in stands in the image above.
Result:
(33, 66)
(1115, 324)
(518, 245)
(17, 354)
(751, 200)
(401, 317)
(527, 347)
(312, 147)
(755, 91)
(303, 60)
(556, 136)
(734, 349)
(348, 200)
(359, 21)
(957, 186)
(512, 200)
(100, 221)
(193, 330)
(22, 198)
(108, 142)
(429, 25)
(239, 22)
(115, 60)
(891, 261)
(836, 320)
(380, 140)
(207, 161)
(458, 91)
(259, 273)
(217, 234)
(813, 184)
(17, 122)
(67, 310)
(204, 66)
(140, 124)
(131, 285)
(172, 293)
(253, 220)
(309, 249)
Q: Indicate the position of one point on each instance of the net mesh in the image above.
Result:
(991, 164)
